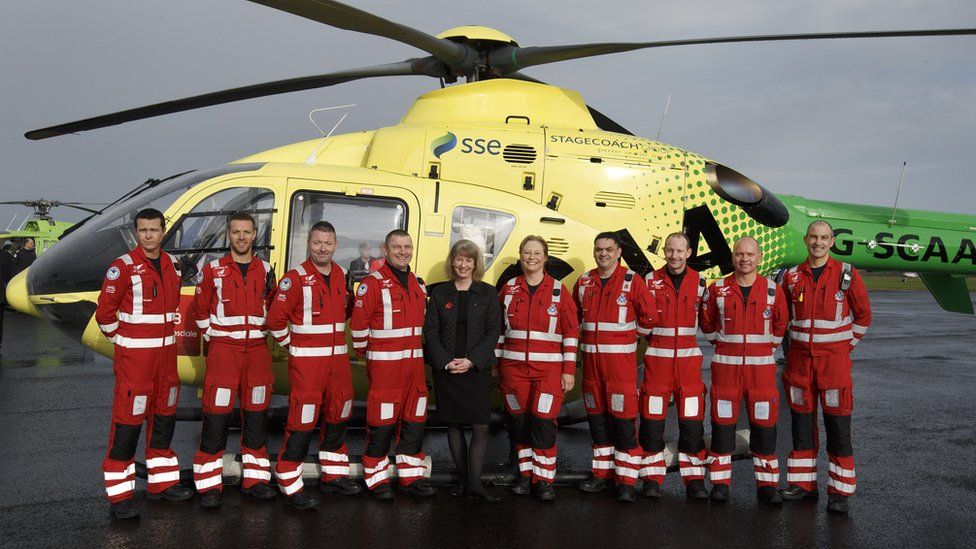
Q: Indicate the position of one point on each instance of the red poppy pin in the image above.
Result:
(449, 305)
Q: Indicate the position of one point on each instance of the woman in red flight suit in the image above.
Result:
(537, 363)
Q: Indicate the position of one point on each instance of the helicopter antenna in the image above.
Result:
(664, 115)
(315, 153)
(898, 193)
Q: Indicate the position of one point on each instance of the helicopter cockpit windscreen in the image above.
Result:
(200, 235)
(361, 225)
(489, 229)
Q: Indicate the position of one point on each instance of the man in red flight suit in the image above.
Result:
(745, 316)
(137, 311)
(830, 312)
(672, 368)
(613, 302)
(230, 308)
(309, 316)
(386, 325)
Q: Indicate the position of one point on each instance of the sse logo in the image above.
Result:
(469, 145)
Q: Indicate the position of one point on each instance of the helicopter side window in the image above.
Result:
(489, 229)
(361, 225)
(200, 235)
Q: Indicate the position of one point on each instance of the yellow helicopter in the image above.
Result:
(492, 160)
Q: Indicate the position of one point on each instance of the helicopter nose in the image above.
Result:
(62, 286)
(17, 296)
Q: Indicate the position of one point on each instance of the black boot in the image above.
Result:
(794, 492)
(695, 490)
(303, 501)
(210, 499)
(124, 509)
(342, 485)
(719, 493)
(593, 485)
(382, 492)
(420, 487)
(651, 489)
(522, 486)
(544, 491)
(177, 492)
(259, 491)
(837, 503)
(769, 494)
(625, 493)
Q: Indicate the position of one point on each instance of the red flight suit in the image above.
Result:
(230, 309)
(745, 334)
(672, 369)
(537, 347)
(386, 325)
(308, 315)
(610, 313)
(137, 310)
(826, 323)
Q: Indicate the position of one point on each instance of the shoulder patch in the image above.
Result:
(285, 284)
(361, 291)
(113, 273)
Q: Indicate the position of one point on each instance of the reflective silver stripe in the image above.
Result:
(109, 327)
(596, 464)
(278, 334)
(130, 470)
(307, 305)
(137, 296)
(801, 462)
(543, 460)
(157, 478)
(747, 360)
(822, 324)
(317, 351)
(720, 475)
(745, 338)
(218, 320)
(387, 309)
(801, 477)
(251, 460)
(257, 474)
(533, 335)
(360, 333)
(767, 477)
(332, 456)
(765, 463)
(841, 486)
(604, 348)
(569, 356)
(571, 341)
(238, 334)
(395, 332)
(511, 355)
(127, 259)
(609, 326)
(162, 462)
(395, 355)
(841, 472)
(674, 332)
(203, 324)
(301, 270)
(858, 329)
(546, 357)
(121, 488)
(143, 343)
(312, 329)
(627, 458)
(672, 353)
(142, 319)
(822, 338)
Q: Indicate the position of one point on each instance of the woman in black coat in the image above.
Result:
(461, 329)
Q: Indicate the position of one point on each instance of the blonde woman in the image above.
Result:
(461, 329)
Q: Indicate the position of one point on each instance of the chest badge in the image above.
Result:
(768, 313)
(839, 296)
(621, 300)
(552, 310)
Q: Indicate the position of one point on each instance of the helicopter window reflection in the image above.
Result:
(489, 229)
(200, 235)
(361, 226)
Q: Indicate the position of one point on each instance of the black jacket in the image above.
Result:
(484, 325)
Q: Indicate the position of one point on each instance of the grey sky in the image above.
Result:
(826, 120)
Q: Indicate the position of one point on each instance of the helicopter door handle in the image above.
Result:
(557, 220)
(517, 117)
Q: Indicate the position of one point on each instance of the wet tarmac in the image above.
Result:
(914, 439)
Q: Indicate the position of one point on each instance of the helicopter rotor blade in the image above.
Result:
(603, 121)
(337, 14)
(82, 208)
(425, 66)
(509, 59)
